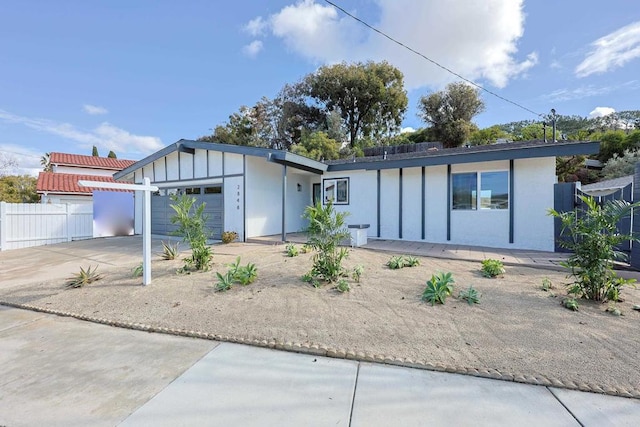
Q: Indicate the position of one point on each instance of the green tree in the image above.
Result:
(611, 142)
(317, 146)
(94, 152)
(370, 97)
(624, 165)
(18, 189)
(487, 135)
(45, 162)
(449, 112)
(112, 155)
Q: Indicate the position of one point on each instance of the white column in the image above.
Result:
(146, 234)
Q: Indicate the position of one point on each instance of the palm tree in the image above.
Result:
(45, 162)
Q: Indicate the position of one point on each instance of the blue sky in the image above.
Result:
(133, 76)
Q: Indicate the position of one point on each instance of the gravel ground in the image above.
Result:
(517, 328)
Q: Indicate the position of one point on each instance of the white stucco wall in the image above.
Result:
(297, 201)
(263, 197)
(389, 204)
(82, 171)
(436, 204)
(482, 227)
(233, 163)
(200, 164)
(412, 203)
(533, 187)
(215, 163)
(61, 199)
(233, 191)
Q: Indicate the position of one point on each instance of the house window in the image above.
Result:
(193, 190)
(465, 190)
(336, 191)
(317, 194)
(494, 190)
(212, 190)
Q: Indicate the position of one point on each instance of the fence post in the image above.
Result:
(3, 226)
(66, 208)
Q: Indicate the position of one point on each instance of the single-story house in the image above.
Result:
(61, 184)
(491, 195)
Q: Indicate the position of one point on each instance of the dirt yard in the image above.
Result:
(517, 328)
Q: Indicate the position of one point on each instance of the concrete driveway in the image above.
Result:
(63, 371)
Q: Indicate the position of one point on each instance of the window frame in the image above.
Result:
(335, 182)
(478, 191)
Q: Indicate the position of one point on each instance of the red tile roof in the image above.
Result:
(65, 159)
(67, 183)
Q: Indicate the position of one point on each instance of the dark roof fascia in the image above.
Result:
(184, 145)
(508, 153)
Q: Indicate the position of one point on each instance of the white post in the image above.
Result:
(146, 234)
(146, 189)
(66, 210)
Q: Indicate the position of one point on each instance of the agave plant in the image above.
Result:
(84, 277)
(170, 251)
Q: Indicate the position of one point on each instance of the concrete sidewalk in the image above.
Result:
(61, 371)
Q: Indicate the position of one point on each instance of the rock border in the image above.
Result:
(323, 350)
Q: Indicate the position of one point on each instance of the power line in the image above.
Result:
(431, 60)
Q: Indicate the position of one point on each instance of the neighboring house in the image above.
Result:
(609, 186)
(61, 185)
(492, 195)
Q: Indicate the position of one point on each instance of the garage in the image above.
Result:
(211, 195)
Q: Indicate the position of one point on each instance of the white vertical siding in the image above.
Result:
(233, 163)
(412, 204)
(215, 163)
(24, 225)
(186, 166)
(160, 171)
(200, 164)
(172, 167)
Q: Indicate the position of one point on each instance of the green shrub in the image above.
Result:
(439, 287)
(401, 261)
(492, 268)
(291, 250)
(225, 281)
(138, 270)
(470, 295)
(570, 303)
(84, 277)
(229, 236)
(237, 273)
(357, 273)
(191, 222)
(325, 232)
(169, 251)
(546, 284)
(396, 262)
(343, 286)
(593, 236)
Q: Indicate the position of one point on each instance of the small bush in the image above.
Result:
(570, 303)
(546, 284)
(191, 221)
(492, 268)
(225, 281)
(401, 261)
(169, 251)
(343, 286)
(84, 277)
(307, 277)
(357, 273)
(229, 236)
(470, 295)
(138, 270)
(237, 273)
(292, 250)
(439, 287)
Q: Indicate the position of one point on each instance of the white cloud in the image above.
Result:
(94, 110)
(104, 136)
(446, 34)
(587, 91)
(601, 112)
(28, 160)
(612, 51)
(253, 48)
(407, 129)
(256, 27)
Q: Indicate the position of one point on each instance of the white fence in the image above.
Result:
(32, 224)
